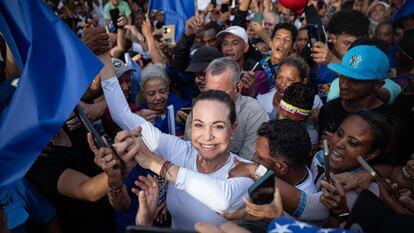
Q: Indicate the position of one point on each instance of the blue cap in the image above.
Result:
(405, 10)
(363, 62)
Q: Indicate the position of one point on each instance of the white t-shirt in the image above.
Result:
(195, 196)
(307, 186)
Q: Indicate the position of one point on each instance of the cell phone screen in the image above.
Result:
(114, 17)
(313, 33)
(326, 158)
(224, 7)
(262, 191)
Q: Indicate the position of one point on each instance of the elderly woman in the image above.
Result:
(198, 187)
(155, 91)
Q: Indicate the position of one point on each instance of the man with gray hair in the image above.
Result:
(269, 22)
(224, 74)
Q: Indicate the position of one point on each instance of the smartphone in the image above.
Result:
(378, 177)
(326, 158)
(224, 7)
(114, 17)
(316, 33)
(99, 142)
(214, 2)
(186, 110)
(168, 34)
(257, 17)
(262, 191)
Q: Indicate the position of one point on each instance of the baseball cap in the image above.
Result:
(202, 57)
(235, 30)
(377, 2)
(363, 62)
(405, 10)
(120, 67)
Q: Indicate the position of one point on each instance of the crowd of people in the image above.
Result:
(249, 87)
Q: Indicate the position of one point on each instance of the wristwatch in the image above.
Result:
(260, 171)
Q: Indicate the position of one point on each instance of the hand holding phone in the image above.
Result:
(99, 142)
(316, 33)
(115, 14)
(168, 34)
(224, 7)
(378, 177)
(326, 158)
(262, 191)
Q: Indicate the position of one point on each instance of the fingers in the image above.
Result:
(131, 150)
(330, 204)
(142, 199)
(123, 146)
(251, 207)
(153, 183)
(148, 114)
(135, 191)
(248, 78)
(123, 135)
(137, 132)
(143, 183)
(328, 187)
(338, 185)
(122, 21)
(105, 159)
(73, 123)
(91, 143)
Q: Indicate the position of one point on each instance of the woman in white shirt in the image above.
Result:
(199, 187)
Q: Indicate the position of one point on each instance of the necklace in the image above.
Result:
(303, 178)
(201, 169)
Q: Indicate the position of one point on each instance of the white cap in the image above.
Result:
(235, 30)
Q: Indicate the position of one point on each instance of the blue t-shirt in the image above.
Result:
(23, 202)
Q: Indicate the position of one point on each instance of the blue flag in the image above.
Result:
(57, 68)
(176, 12)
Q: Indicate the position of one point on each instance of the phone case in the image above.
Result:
(259, 190)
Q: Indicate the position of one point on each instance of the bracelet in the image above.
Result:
(406, 174)
(114, 190)
(164, 169)
(341, 217)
